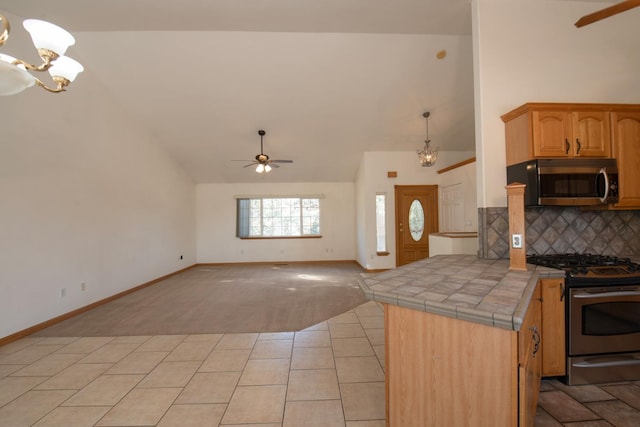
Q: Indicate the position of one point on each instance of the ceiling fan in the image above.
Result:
(607, 12)
(263, 162)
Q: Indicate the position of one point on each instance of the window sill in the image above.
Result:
(280, 237)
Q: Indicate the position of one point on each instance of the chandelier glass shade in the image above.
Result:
(51, 43)
(427, 156)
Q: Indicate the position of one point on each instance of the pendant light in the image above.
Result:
(427, 156)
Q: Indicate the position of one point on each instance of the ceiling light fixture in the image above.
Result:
(263, 168)
(51, 42)
(427, 156)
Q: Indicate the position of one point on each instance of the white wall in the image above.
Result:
(372, 179)
(530, 51)
(86, 197)
(216, 226)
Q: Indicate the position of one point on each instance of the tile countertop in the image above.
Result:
(461, 286)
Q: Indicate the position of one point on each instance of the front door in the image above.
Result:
(416, 217)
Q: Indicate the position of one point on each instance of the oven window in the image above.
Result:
(611, 318)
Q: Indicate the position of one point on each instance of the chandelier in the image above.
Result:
(427, 156)
(51, 42)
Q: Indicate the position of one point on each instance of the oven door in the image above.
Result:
(604, 320)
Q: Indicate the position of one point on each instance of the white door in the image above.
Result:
(451, 208)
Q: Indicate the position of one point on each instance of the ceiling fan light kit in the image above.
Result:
(51, 42)
(607, 12)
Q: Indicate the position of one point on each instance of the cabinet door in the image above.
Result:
(530, 366)
(553, 327)
(626, 150)
(551, 134)
(591, 134)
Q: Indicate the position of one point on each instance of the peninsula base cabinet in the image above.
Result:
(442, 371)
(554, 355)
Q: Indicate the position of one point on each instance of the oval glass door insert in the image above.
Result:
(416, 220)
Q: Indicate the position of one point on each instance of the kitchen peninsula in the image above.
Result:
(461, 338)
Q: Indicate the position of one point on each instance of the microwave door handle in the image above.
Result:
(603, 199)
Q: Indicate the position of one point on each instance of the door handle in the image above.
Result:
(536, 340)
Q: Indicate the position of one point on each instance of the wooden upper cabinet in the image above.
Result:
(626, 150)
(591, 134)
(551, 134)
(539, 130)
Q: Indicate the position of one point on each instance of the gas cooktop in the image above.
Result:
(589, 265)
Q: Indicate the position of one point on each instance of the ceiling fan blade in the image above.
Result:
(607, 12)
(250, 164)
(280, 161)
(273, 165)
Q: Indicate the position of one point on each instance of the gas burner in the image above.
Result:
(588, 266)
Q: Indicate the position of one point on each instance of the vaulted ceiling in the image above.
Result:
(327, 80)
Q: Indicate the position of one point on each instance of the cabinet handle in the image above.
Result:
(579, 146)
(536, 340)
(562, 291)
(567, 146)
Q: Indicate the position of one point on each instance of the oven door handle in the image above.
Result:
(587, 364)
(607, 294)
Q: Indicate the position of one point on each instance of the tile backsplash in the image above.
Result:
(551, 230)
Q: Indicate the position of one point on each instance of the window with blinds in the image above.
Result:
(263, 217)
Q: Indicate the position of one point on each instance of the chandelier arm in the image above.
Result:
(60, 81)
(6, 28)
(48, 56)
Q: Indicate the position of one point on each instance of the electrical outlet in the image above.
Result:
(516, 241)
(83, 286)
(63, 292)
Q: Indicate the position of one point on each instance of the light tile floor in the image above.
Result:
(330, 375)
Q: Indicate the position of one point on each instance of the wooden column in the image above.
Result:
(515, 203)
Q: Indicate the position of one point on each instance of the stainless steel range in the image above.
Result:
(602, 294)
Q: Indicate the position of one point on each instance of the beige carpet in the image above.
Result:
(210, 299)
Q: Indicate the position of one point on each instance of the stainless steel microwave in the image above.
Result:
(567, 182)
